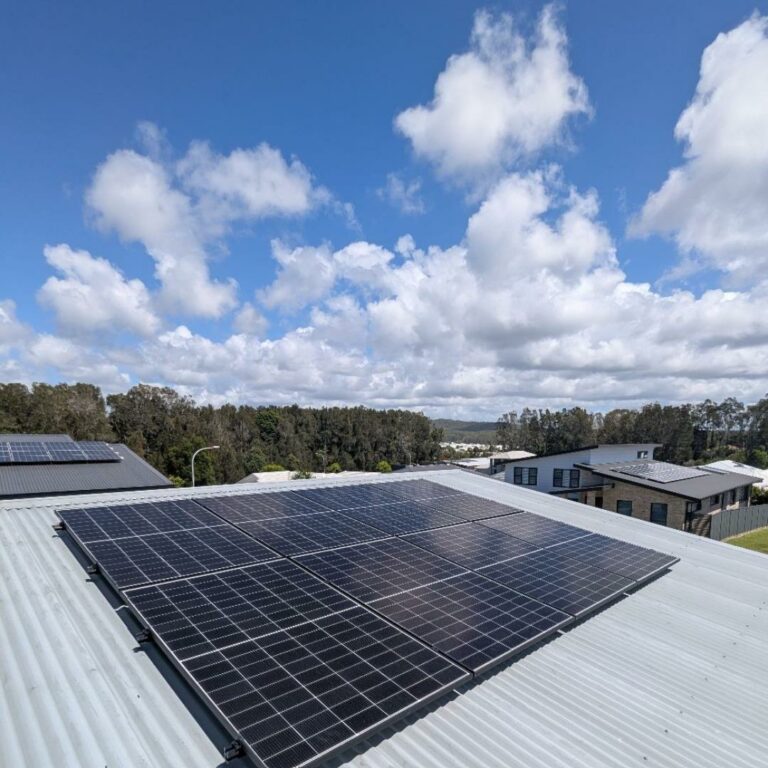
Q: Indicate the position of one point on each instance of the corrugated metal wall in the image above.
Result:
(731, 522)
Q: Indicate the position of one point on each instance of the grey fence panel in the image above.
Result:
(731, 522)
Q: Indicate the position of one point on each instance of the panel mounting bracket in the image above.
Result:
(59, 526)
(143, 636)
(233, 749)
(92, 569)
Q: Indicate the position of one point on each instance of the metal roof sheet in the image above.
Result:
(131, 472)
(674, 675)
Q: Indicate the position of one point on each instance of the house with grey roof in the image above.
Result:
(57, 465)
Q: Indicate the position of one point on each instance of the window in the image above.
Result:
(714, 501)
(692, 507)
(624, 507)
(732, 496)
(642, 454)
(566, 478)
(525, 476)
(659, 513)
(744, 495)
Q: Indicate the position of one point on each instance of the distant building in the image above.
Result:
(726, 465)
(55, 465)
(287, 475)
(493, 464)
(626, 479)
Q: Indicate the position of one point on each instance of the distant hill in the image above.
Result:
(467, 431)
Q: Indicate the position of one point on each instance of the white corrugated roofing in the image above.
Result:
(674, 675)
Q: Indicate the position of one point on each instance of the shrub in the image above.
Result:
(383, 466)
(334, 468)
(302, 474)
(273, 468)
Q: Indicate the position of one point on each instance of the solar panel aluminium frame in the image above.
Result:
(229, 727)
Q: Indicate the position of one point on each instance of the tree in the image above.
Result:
(383, 466)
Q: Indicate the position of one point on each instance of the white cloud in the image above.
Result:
(715, 205)
(505, 98)
(94, 297)
(12, 332)
(403, 195)
(250, 321)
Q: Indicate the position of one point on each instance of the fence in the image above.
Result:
(730, 522)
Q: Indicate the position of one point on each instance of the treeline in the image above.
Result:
(166, 428)
(688, 433)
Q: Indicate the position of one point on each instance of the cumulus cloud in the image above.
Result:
(12, 331)
(92, 296)
(250, 321)
(715, 205)
(505, 98)
(403, 195)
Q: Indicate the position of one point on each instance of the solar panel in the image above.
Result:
(535, 529)
(56, 452)
(404, 517)
(208, 613)
(469, 507)
(310, 533)
(562, 582)
(416, 490)
(473, 620)
(380, 569)
(95, 523)
(297, 695)
(660, 471)
(135, 560)
(259, 506)
(347, 497)
(628, 560)
(470, 545)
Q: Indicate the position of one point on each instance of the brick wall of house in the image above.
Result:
(642, 498)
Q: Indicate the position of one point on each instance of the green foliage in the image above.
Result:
(759, 458)
(383, 466)
(273, 468)
(334, 468)
(759, 495)
(302, 474)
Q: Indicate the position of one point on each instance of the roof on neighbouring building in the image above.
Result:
(286, 475)
(709, 483)
(587, 448)
(676, 674)
(726, 465)
(131, 472)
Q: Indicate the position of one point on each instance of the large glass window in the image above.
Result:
(566, 478)
(659, 513)
(525, 476)
(714, 501)
(624, 507)
(744, 495)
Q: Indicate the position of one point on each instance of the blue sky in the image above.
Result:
(322, 85)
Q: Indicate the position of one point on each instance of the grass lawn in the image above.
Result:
(757, 540)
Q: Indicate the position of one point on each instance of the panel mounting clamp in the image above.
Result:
(143, 636)
(233, 749)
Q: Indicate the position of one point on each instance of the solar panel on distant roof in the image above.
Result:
(475, 621)
(379, 569)
(659, 471)
(295, 695)
(470, 545)
(535, 529)
(55, 452)
(310, 533)
(562, 582)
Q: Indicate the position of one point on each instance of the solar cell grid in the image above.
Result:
(379, 569)
(136, 560)
(472, 546)
(96, 523)
(208, 613)
(46, 452)
(628, 560)
(415, 490)
(347, 497)
(300, 693)
(475, 621)
(310, 533)
(469, 507)
(535, 529)
(404, 517)
(660, 472)
(259, 506)
(562, 582)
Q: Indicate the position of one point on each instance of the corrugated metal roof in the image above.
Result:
(131, 472)
(674, 675)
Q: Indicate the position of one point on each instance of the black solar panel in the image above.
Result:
(415, 490)
(95, 523)
(210, 612)
(298, 694)
(562, 582)
(56, 452)
(628, 560)
(475, 621)
(404, 517)
(470, 545)
(260, 506)
(135, 560)
(380, 569)
(311, 533)
(469, 507)
(535, 529)
(659, 471)
(347, 497)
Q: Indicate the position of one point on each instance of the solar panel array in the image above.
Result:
(660, 471)
(307, 618)
(55, 452)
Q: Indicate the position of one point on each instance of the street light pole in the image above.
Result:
(194, 455)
